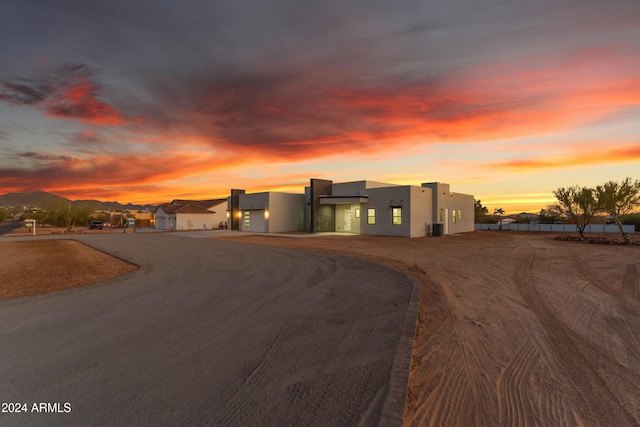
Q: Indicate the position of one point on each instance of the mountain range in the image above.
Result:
(35, 199)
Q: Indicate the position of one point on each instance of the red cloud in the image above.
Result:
(77, 100)
(64, 92)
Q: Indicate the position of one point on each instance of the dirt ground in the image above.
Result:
(34, 267)
(514, 329)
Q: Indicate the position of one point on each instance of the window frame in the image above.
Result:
(371, 219)
(396, 216)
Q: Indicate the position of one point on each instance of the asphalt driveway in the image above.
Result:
(207, 333)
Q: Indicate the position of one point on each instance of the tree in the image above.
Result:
(481, 213)
(61, 213)
(580, 204)
(632, 219)
(618, 199)
(499, 212)
(551, 214)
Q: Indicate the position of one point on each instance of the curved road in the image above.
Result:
(207, 333)
(9, 226)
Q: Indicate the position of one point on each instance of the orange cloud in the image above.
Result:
(602, 155)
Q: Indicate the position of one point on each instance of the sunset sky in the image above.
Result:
(149, 101)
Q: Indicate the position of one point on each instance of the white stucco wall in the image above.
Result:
(254, 201)
(219, 214)
(421, 211)
(194, 221)
(356, 188)
(380, 199)
(286, 212)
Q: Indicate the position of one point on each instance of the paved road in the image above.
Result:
(9, 226)
(207, 333)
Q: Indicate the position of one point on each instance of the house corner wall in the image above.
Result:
(461, 204)
(421, 211)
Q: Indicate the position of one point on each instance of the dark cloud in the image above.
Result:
(65, 92)
(43, 156)
(23, 94)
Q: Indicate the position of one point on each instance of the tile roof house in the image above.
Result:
(180, 215)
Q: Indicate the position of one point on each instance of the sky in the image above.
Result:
(150, 101)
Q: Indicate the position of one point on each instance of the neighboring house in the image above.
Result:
(143, 219)
(504, 220)
(182, 215)
(359, 207)
(118, 219)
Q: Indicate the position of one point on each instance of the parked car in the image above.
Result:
(96, 224)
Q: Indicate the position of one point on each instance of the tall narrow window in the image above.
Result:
(459, 215)
(441, 215)
(453, 216)
(371, 216)
(247, 221)
(396, 216)
(357, 212)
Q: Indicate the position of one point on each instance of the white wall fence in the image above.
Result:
(557, 228)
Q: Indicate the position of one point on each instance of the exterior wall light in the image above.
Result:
(266, 214)
(228, 214)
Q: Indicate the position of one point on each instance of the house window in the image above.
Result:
(371, 216)
(459, 215)
(441, 215)
(453, 216)
(357, 212)
(396, 216)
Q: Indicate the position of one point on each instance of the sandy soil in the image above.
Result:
(41, 266)
(514, 328)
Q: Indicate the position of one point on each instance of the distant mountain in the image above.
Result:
(35, 199)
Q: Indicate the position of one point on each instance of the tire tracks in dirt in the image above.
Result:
(630, 282)
(582, 361)
(512, 404)
(625, 300)
(235, 407)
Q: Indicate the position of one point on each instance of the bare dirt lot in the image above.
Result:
(41, 266)
(514, 328)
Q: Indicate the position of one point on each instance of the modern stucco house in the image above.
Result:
(267, 212)
(358, 207)
(182, 215)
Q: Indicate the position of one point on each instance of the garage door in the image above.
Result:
(257, 222)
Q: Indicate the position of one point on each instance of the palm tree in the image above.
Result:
(500, 212)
